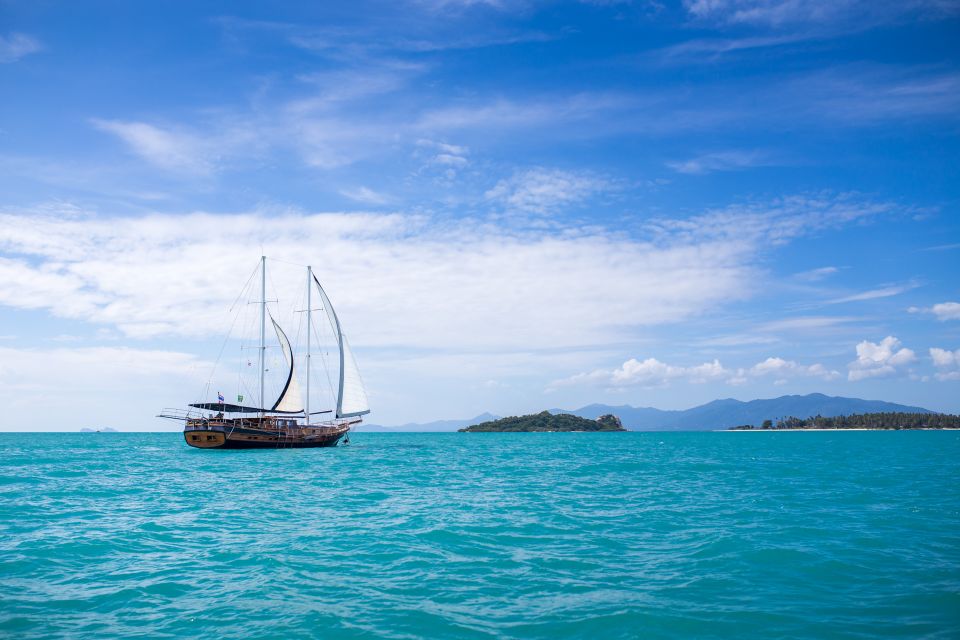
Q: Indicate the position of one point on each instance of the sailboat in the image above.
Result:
(287, 422)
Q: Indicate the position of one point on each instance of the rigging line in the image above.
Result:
(223, 346)
(296, 264)
(326, 367)
(226, 338)
(247, 284)
(274, 286)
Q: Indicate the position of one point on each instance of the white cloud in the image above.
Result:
(365, 195)
(654, 373)
(16, 45)
(568, 115)
(943, 311)
(863, 94)
(947, 363)
(335, 88)
(707, 371)
(447, 158)
(775, 222)
(711, 49)
(781, 368)
(396, 279)
(648, 373)
(806, 323)
(738, 340)
(768, 12)
(815, 12)
(438, 5)
(720, 161)
(873, 294)
(85, 387)
(167, 149)
(444, 148)
(945, 358)
(815, 275)
(875, 360)
(541, 190)
(947, 311)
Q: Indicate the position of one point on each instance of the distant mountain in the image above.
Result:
(722, 414)
(628, 415)
(433, 427)
(96, 430)
(719, 414)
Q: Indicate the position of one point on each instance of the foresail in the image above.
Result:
(351, 395)
(290, 400)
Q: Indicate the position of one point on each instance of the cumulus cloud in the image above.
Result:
(16, 45)
(943, 311)
(654, 373)
(875, 360)
(780, 368)
(647, 373)
(947, 363)
(541, 190)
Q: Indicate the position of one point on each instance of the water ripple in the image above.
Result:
(483, 535)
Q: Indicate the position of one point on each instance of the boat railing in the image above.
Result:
(179, 414)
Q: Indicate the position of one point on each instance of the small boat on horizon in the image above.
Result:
(287, 422)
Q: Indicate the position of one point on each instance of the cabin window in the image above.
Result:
(194, 438)
(209, 438)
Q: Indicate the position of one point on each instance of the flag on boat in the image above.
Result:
(220, 397)
(239, 398)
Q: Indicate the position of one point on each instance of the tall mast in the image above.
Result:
(309, 330)
(263, 325)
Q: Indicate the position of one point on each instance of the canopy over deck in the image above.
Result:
(236, 408)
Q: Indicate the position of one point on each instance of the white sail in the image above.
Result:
(290, 399)
(351, 395)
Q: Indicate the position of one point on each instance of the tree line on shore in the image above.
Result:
(892, 421)
(546, 421)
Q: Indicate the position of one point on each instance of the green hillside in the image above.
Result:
(546, 421)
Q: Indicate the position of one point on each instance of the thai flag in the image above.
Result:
(220, 397)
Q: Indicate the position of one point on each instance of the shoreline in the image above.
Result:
(843, 429)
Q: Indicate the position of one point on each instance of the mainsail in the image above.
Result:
(351, 396)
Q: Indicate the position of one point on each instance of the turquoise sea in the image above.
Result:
(633, 535)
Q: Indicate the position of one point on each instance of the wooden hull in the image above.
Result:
(222, 438)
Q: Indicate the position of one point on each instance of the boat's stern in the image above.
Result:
(204, 439)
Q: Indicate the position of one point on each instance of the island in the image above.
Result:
(98, 430)
(893, 421)
(546, 421)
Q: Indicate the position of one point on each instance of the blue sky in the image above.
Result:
(514, 205)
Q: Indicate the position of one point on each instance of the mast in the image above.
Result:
(263, 326)
(309, 329)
